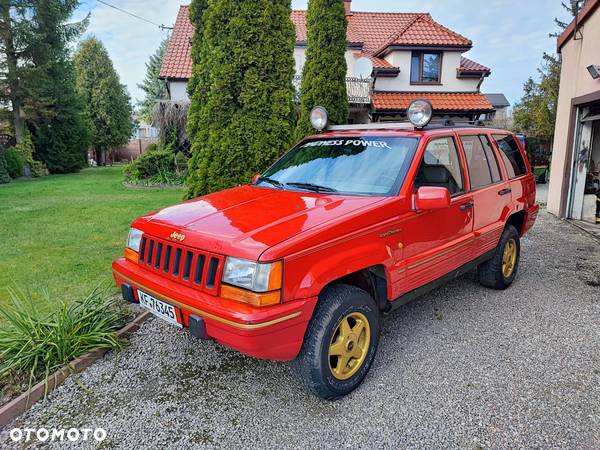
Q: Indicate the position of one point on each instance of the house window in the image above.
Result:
(426, 67)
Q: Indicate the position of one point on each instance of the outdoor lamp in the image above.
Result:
(319, 118)
(594, 71)
(420, 112)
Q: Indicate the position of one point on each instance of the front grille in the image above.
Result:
(182, 264)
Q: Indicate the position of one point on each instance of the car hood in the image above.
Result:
(247, 220)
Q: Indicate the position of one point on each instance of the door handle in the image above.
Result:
(467, 206)
(505, 191)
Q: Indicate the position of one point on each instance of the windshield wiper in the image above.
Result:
(313, 187)
(271, 181)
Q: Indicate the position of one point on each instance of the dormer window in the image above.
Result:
(426, 68)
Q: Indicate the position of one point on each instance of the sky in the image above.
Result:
(509, 36)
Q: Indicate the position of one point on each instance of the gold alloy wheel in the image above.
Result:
(509, 258)
(349, 346)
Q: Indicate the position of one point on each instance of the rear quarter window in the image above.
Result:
(511, 155)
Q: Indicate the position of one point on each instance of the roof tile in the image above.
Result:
(399, 101)
(471, 66)
(178, 58)
(374, 31)
(424, 31)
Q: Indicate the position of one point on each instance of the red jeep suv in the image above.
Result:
(351, 223)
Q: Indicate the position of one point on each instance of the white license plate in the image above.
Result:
(160, 309)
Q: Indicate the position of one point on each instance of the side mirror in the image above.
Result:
(255, 178)
(430, 197)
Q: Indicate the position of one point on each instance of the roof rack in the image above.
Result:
(444, 123)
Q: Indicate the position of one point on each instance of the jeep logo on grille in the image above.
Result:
(177, 236)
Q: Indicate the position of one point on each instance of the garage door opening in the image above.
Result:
(584, 191)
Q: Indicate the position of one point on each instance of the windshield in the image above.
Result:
(353, 166)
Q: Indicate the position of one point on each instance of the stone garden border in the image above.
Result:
(25, 401)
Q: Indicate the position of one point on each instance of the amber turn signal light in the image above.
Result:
(132, 256)
(252, 298)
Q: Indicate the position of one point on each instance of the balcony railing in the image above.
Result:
(359, 90)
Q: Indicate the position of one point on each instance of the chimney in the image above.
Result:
(348, 5)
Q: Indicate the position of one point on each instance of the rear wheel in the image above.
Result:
(500, 271)
(340, 343)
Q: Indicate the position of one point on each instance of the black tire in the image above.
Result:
(312, 366)
(491, 272)
(543, 178)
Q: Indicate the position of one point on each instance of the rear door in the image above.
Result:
(491, 193)
(438, 241)
(518, 171)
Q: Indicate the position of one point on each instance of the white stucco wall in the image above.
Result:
(450, 83)
(402, 59)
(575, 81)
(300, 59)
(178, 90)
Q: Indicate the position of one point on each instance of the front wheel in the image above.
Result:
(500, 271)
(340, 343)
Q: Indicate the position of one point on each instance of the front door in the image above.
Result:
(438, 241)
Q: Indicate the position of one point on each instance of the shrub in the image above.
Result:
(4, 176)
(34, 344)
(181, 164)
(14, 163)
(25, 150)
(38, 168)
(157, 167)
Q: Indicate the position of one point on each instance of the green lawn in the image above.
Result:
(59, 234)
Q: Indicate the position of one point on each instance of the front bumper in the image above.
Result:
(275, 332)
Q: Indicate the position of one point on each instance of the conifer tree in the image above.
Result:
(242, 113)
(324, 73)
(154, 88)
(53, 109)
(108, 110)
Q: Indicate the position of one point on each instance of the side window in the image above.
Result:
(491, 158)
(483, 167)
(441, 166)
(511, 155)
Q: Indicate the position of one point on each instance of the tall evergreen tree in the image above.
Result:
(153, 87)
(54, 110)
(324, 74)
(108, 110)
(13, 33)
(243, 112)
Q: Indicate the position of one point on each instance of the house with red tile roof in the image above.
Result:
(411, 55)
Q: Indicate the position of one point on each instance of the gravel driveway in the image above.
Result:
(462, 367)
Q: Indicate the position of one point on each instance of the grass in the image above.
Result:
(59, 234)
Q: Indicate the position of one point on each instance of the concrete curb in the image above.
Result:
(25, 401)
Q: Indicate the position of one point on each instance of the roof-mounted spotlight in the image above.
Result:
(319, 118)
(420, 112)
(594, 71)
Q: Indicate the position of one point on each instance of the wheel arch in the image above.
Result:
(517, 220)
(372, 280)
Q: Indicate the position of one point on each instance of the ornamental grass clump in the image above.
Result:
(34, 344)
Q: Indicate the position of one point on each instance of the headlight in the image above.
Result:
(134, 239)
(251, 275)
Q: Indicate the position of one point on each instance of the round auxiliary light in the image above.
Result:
(420, 113)
(319, 118)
